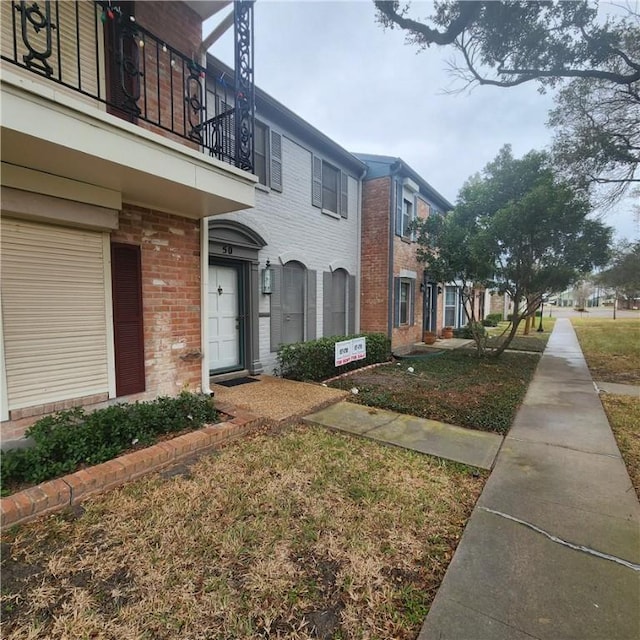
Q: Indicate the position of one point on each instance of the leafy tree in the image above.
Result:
(623, 274)
(512, 42)
(517, 229)
(508, 43)
(597, 131)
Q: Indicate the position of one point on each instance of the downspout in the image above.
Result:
(395, 169)
(359, 258)
(204, 305)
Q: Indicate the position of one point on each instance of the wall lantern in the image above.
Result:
(267, 279)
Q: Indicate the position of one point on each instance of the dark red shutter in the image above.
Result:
(126, 276)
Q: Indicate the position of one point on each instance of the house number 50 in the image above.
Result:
(227, 248)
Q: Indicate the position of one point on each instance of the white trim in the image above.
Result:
(340, 264)
(409, 184)
(4, 402)
(293, 255)
(108, 308)
(405, 273)
(204, 306)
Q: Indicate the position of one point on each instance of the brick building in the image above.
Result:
(107, 181)
(397, 296)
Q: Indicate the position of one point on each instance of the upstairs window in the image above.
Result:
(261, 152)
(329, 188)
(407, 216)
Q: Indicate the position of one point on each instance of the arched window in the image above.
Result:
(293, 302)
(339, 302)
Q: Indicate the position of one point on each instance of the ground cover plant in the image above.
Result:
(302, 533)
(623, 413)
(67, 440)
(610, 347)
(452, 387)
(535, 341)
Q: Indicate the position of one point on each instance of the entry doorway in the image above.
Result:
(430, 309)
(225, 318)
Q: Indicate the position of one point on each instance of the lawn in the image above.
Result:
(536, 341)
(611, 348)
(300, 533)
(452, 387)
(623, 413)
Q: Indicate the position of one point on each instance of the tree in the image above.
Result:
(516, 229)
(509, 43)
(597, 132)
(623, 274)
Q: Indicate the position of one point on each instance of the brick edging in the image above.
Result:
(56, 495)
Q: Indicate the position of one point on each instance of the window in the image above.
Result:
(405, 301)
(407, 216)
(339, 302)
(330, 182)
(450, 305)
(261, 152)
(404, 293)
(329, 187)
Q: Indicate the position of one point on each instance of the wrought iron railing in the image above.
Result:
(100, 51)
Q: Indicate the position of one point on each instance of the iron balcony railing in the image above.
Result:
(100, 51)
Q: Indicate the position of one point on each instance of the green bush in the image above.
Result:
(68, 439)
(467, 333)
(492, 320)
(314, 360)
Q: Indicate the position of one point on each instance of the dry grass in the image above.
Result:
(299, 534)
(611, 348)
(624, 417)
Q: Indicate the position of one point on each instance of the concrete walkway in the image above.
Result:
(469, 446)
(552, 549)
(618, 389)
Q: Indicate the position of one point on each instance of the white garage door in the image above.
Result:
(54, 313)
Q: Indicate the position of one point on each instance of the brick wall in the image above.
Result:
(170, 256)
(170, 248)
(374, 290)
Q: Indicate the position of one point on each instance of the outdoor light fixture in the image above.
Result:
(267, 278)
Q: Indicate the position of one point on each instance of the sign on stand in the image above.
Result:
(349, 350)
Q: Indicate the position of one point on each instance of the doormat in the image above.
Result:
(236, 381)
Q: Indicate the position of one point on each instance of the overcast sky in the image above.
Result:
(335, 66)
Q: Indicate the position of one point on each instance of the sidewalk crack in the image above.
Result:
(576, 547)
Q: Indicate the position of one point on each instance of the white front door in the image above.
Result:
(224, 318)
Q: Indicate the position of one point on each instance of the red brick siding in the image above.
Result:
(374, 286)
(170, 248)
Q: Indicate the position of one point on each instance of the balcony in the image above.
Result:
(90, 94)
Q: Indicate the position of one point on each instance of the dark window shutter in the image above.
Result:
(344, 195)
(398, 208)
(311, 304)
(415, 216)
(351, 311)
(316, 181)
(412, 297)
(327, 308)
(276, 161)
(126, 276)
(396, 302)
(276, 308)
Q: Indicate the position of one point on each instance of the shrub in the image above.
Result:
(492, 320)
(68, 439)
(314, 360)
(467, 333)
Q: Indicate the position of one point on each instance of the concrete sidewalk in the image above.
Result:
(552, 549)
(469, 446)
